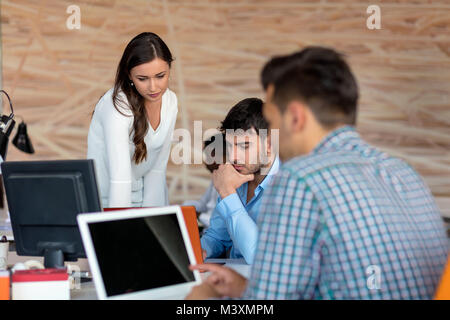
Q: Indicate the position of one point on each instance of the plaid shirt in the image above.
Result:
(348, 222)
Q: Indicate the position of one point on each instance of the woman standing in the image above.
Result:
(131, 130)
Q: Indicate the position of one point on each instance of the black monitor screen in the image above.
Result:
(140, 253)
(44, 199)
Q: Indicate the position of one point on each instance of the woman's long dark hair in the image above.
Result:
(143, 48)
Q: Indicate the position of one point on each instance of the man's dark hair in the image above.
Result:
(273, 69)
(321, 79)
(246, 114)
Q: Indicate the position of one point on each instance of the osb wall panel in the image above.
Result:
(56, 75)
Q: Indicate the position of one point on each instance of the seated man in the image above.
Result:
(341, 220)
(240, 183)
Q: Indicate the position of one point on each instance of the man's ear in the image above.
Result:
(297, 115)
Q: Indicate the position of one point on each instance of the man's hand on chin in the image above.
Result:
(226, 179)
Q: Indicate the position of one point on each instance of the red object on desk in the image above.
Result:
(190, 219)
(40, 275)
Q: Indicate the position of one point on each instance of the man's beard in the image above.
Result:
(255, 170)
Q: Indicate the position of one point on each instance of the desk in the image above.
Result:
(86, 292)
(87, 289)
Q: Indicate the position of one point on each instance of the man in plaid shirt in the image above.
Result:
(342, 220)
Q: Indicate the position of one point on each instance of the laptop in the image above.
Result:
(139, 253)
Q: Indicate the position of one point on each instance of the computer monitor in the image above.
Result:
(44, 199)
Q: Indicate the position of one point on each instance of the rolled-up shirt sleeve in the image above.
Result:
(216, 240)
(240, 226)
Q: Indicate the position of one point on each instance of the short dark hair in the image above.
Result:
(322, 79)
(246, 114)
(273, 69)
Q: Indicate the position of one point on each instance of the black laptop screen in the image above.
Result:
(140, 253)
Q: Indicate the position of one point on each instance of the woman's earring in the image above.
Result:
(131, 83)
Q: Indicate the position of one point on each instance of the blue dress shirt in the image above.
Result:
(233, 222)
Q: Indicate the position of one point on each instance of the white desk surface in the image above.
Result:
(87, 289)
(86, 292)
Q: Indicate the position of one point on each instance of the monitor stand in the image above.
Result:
(55, 253)
(54, 258)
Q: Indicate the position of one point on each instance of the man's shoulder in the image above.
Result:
(316, 163)
(303, 166)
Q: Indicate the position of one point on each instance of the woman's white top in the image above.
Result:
(121, 182)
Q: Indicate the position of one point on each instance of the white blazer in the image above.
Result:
(121, 182)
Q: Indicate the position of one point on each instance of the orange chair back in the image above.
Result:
(443, 291)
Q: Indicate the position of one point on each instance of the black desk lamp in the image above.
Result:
(21, 140)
